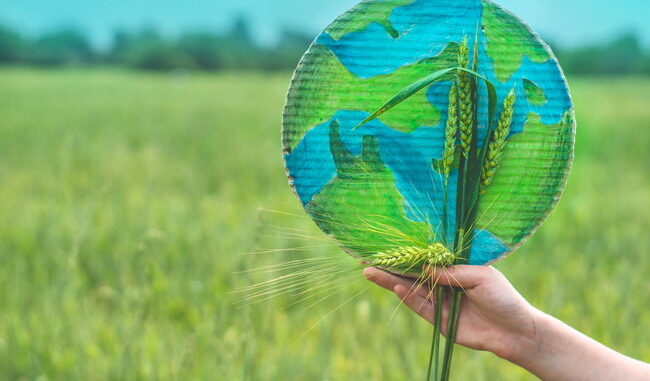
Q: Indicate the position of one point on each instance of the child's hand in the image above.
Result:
(493, 316)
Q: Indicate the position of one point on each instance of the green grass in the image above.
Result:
(128, 199)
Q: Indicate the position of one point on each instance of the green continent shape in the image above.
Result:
(358, 18)
(528, 182)
(361, 208)
(322, 86)
(508, 39)
(534, 93)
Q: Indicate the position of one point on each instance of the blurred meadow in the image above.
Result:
(129, 200)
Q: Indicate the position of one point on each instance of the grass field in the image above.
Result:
(129, 199)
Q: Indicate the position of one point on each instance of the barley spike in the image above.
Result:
(451, 132)
(408, 258)
(465, 104)
(497, 142)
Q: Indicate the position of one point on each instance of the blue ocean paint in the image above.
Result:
(425, 28)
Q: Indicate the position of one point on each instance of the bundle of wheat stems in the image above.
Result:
(477, 163)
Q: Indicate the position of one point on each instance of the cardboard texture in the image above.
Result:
(378, 187)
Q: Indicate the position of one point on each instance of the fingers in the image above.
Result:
(417, 297)
(424, 306)
(419, 304)
(383, 278)
(389, 281)
(464, 276)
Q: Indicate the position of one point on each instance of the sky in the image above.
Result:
(565, 22)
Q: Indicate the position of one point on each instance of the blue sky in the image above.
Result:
(568, 22)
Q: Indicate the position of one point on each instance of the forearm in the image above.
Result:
(557, 352)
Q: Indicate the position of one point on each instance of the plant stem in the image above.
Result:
(467, 207)
(452, 330)
(437, 329)
(445, 213)
(434, 356)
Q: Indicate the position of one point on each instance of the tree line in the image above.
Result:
(235, 49)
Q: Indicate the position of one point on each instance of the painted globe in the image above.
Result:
(378, 186)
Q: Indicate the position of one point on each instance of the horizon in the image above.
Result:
(575, 26)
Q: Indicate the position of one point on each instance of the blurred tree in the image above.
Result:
(119, 48)
(64, 46)
(240, 32)
(623, 55)
(147, 50)
(287, 52)
(236, 50)
(12, 46)
(207, 51)
(242, 53)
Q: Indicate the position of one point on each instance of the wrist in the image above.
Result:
(527, 344)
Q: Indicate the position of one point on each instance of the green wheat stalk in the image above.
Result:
(451, 133)
(477, 166)
(497, 142)
(467, 197)
(465, 100)
(448, 158)
(449, 151)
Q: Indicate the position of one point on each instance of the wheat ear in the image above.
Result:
(465, 104)
(497, 142)
(414, 257)
(451, 132)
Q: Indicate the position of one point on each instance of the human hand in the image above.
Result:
(496, 318)
(493, 315)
